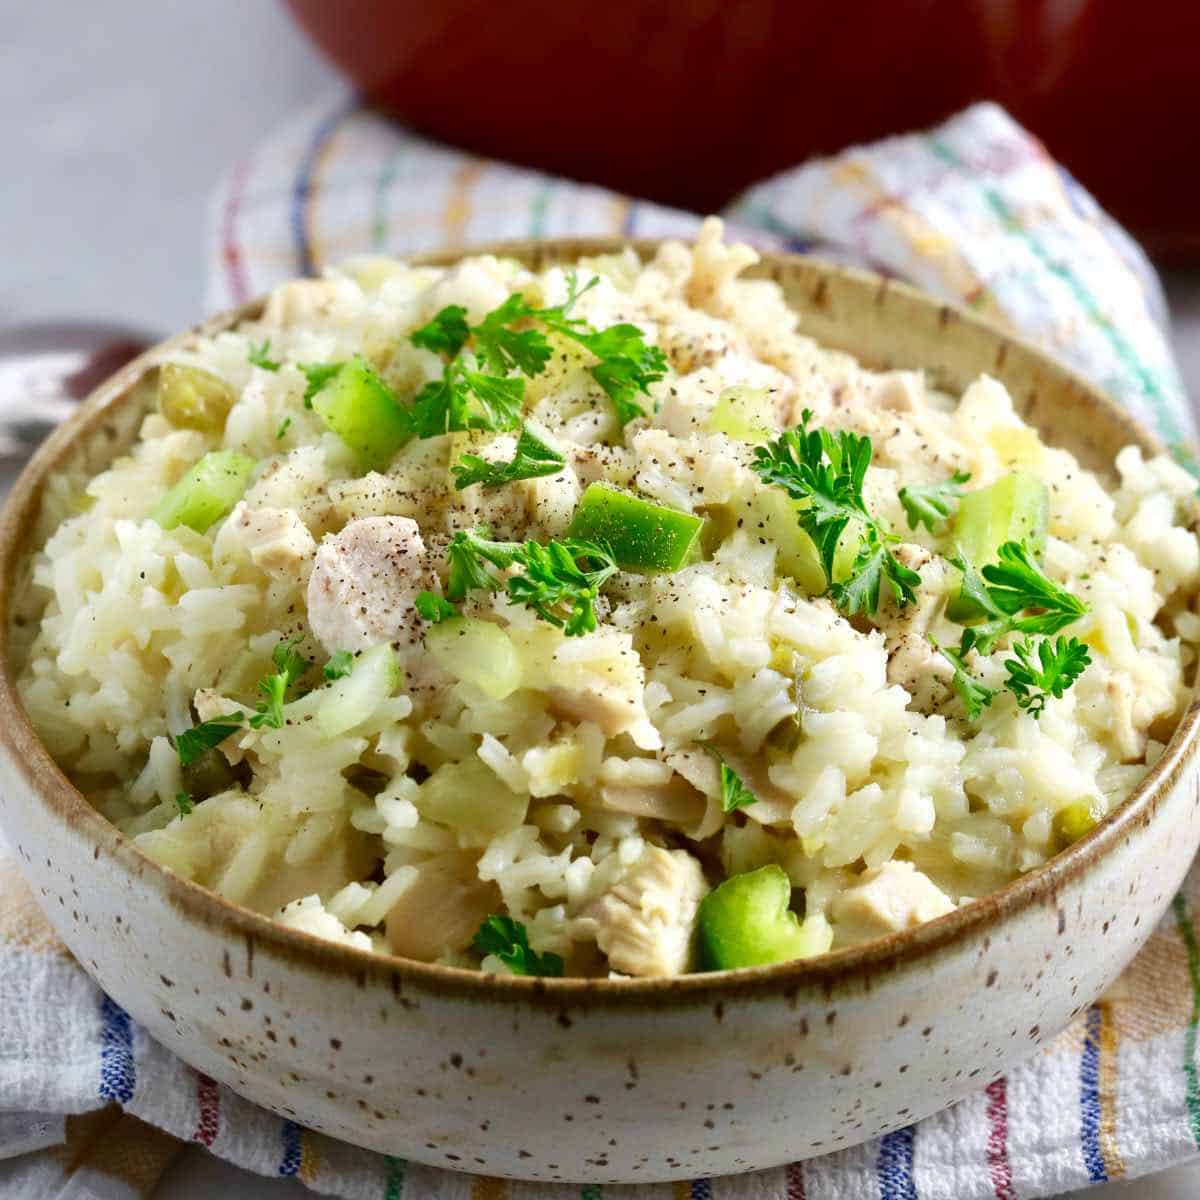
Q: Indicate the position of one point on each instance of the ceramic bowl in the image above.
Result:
(592, 1080)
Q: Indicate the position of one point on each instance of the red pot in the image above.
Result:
(687, 101)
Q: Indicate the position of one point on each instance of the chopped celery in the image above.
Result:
(1013, 509)
(746, 414)
(774, 518)
(1073, 820)
(746, 922)
(477, 652)
(192, 398)
(641, 536)
(206, 493)
(360, 408)
(352, 699)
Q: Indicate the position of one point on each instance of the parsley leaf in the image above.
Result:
(289, 666)
(434, 608)
(559, 580)
(446, 334)
(339, 666)
(499, 397)
(859, 591)
(557, 587)
(627, 364)
(184, 803)
(501, 349)
(929, 504)
(825, 472)
(508, 941)
(1016, 596)
(974, 695)
(318, 375)
(1043, 669)
(258, 355)
(531, 459)
(468, 555)
(192, 743)
(477, 391)
(734, 793)
(463, 399)
(283, 427)
(1016, 582)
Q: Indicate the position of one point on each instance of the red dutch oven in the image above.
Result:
(688, 101)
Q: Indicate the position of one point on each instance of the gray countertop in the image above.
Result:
(116, 120)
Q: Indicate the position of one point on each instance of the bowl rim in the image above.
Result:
(853, 966)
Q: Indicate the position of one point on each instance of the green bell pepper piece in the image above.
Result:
(641, 536)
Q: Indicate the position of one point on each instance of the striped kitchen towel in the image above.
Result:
(975, 212)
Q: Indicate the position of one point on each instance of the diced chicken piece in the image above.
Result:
(300, 300)
(611, 708)
(276, 539)
(443, 907)
(209, 705)
(611, 464)
(364, 585)
(918, 668)
(644, 924)
(600, 679)
(892, 897)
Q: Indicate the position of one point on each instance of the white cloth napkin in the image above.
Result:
(975, 212)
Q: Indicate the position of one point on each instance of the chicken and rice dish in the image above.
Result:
(595, 621)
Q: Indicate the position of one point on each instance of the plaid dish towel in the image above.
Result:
(975, 212)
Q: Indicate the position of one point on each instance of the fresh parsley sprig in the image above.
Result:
(627, 365)
(930, 504)
(259, 356)
(531, 459)
(1043, 669)
(507, 940)
(340, 664)
(975, 696)
(289, 667)
(1014, 595)
(559, 580)
(825, 472)
(434, 608)
(734, 793)
(477, 389)
(192, 744)
(468, 557)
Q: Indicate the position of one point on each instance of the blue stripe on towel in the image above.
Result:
(118, 1074)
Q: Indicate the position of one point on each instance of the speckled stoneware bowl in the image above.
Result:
(591, 1080)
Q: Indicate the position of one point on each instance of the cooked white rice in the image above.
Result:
(586, 803)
